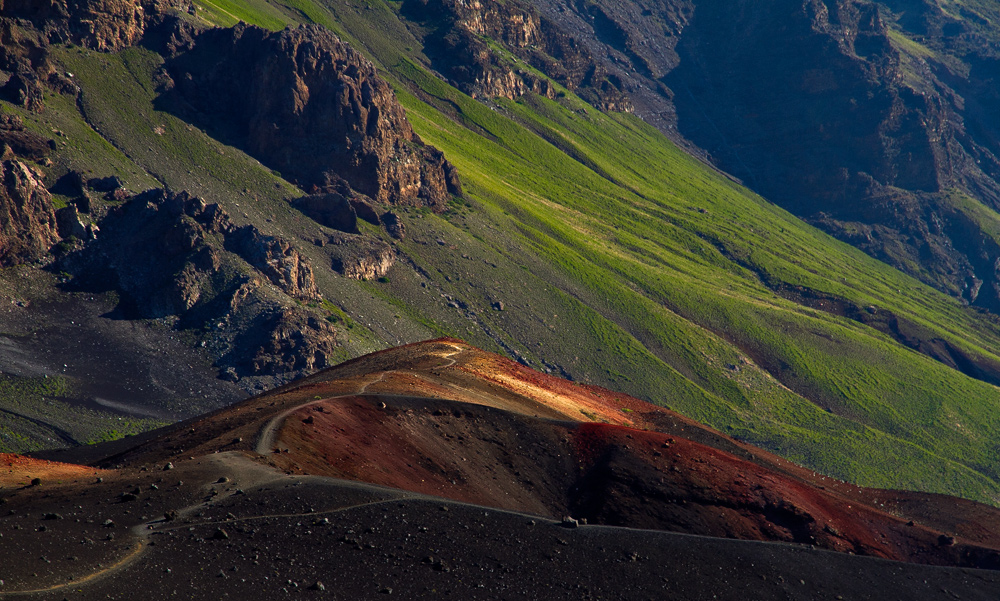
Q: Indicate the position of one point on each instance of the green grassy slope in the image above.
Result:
(618, 259)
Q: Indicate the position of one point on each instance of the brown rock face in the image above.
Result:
(360, 257)
(276, 259)
(312, 108)
(332, 210)
(27, 221)
(106, 25)
(456, 45)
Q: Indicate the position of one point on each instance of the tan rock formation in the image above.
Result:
(27, 220)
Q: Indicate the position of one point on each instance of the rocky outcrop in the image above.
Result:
(280, 343)
(458, 46)
(103, 25)
(312, 108)
(393, 225)
(27, 220)
(174, 257)
(29, 27)
(276, 259)
(360, 257)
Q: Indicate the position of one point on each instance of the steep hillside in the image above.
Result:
(868, 119)
(583, 243)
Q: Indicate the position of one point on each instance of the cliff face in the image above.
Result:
(856, 132)
(312, 108)
(458, 48)
(103, 25)
(27, 220)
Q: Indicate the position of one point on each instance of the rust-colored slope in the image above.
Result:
(18, 470)
(603, 473)
(443, 418)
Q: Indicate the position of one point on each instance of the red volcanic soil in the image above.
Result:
(18, 470)
(605, 474)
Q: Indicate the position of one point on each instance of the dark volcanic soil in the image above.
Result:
(262, 535)
(119, 366)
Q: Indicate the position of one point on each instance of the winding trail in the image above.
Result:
(249, 473)
(119, 565)
(266, 437)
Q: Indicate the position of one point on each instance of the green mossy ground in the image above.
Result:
(619, 260)
(33, 416)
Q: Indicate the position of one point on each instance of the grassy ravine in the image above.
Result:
(620, 261)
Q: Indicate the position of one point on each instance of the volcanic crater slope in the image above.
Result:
(436, 470)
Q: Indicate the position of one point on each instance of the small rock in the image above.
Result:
(36, 481)
(220, 534)
(52, 516)
(393, 225)
(317, 586)
(222, 480)
(568, 522)
(168, 466)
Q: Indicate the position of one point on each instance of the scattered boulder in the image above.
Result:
(118, 195)
(364, 209)
(393, 225)
(332, 210)
(360, 257)
(105, 184)
(72, 183)
(84, 203)
(69, 225)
